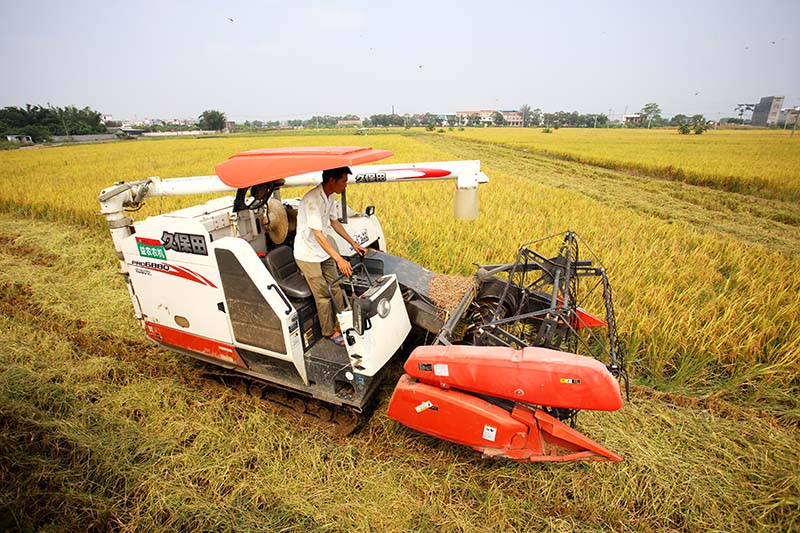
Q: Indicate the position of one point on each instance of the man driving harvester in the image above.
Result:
(315, 255)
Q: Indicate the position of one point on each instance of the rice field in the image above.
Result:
(103, 431)
(763, 163)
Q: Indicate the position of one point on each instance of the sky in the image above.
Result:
(273, 60)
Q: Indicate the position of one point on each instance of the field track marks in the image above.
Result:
(17, 302)
(36, 257)
(770, 223)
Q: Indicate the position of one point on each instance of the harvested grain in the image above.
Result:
(447, 290)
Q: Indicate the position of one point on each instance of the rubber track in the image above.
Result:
(342, 420)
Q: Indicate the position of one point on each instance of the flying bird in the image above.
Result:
(230, 19)
(419, 66)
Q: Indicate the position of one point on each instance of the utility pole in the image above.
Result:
(595, 122)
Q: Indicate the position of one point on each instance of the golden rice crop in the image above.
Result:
(760, 162)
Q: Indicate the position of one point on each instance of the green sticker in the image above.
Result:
(151, 248)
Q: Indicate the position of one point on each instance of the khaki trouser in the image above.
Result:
(318, 275)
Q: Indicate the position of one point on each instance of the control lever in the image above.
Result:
(341, 277)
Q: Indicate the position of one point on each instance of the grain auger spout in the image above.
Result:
(528, 358)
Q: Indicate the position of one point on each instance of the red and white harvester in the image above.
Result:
(517, 358)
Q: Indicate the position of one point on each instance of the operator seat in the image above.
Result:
(280, 263)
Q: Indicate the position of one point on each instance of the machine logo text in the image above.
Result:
(187, 243)
(371, 177)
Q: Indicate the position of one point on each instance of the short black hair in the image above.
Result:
(335, 173)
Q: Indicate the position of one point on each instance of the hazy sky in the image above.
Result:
(282, 60)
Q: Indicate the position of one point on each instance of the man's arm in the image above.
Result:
(338, 228)
(341, 262)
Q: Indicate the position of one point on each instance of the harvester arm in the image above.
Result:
(468, 176)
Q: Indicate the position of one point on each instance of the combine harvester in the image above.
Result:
(510, 364)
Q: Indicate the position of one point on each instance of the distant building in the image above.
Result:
(19, 139)
(512, 118)
(767, 111)
(346, 123)
(486, 116)
(127, 132)
(635, 118)
(789, 117)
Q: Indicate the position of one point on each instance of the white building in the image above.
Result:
(12, 138)
(512, 118)
(789, 116)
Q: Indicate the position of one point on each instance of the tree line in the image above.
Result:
(42, 122)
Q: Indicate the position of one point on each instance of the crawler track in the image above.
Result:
(342, 420)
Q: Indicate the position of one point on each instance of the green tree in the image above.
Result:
(700, 124)
(53, 120)
(536, 117)
(498, 119)
(742, 108)
(37, 133)
(651, 112)
(525, 110)
(474, 120)
(678, 119)
(211, 120)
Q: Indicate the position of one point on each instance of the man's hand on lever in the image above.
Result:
(344, 266)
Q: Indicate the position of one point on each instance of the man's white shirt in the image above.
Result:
(315, 213)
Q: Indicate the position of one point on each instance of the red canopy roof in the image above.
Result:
(269, 164)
